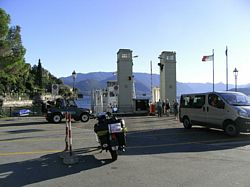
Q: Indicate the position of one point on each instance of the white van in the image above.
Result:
(226, 110)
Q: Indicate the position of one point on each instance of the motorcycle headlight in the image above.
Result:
(49, 112)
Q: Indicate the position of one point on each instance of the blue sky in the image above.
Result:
(85, 35)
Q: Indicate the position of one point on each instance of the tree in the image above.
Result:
(39, 75)
(13, 69)
(15, 74)
(4, 28)
(13, 66)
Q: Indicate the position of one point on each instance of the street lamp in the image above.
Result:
(235, 76)
(133, 89)
(74, 79)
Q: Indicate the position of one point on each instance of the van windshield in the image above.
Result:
(236, 99)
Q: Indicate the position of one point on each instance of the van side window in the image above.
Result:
(199, 101)
(185, 101)
(196, 101)
(215, 101)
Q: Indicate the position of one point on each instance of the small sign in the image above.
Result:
(55, 89)
(115, 127)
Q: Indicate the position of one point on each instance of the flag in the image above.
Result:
(207, 58)
(226, 51)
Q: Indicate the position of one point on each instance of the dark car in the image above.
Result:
(56, 112)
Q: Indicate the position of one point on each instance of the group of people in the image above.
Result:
(163, 108)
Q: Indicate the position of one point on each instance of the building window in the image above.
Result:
(170, 57)
(125, 55)
(111, 94)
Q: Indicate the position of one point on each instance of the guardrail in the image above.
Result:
(21, 111)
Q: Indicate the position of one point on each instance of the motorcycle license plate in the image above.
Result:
(115, 128)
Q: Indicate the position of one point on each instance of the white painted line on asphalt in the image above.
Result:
(231, 143)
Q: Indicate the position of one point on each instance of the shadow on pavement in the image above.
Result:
(18, 123)
(24, 131)
(46, 167)
(177, 140)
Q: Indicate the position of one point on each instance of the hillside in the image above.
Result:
(97, 80)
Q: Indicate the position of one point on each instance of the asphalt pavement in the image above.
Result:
(160, 152)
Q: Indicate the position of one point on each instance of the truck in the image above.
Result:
(56, 110)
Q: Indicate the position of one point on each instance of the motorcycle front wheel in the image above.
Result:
(114, 154)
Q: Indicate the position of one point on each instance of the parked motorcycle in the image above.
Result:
(111, 133)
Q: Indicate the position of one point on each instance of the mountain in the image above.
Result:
(206, 87)
(243, 90)
(98, 76)
(98, 80)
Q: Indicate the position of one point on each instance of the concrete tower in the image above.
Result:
(167, 76)
(125, 80)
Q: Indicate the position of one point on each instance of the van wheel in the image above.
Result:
(186, 123)
(231, 129)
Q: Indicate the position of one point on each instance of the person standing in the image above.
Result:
(167, 107)
(176, 111)
(163, 107)
(159, 108)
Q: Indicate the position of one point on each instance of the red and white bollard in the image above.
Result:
(66, 150)
(67, 132)
(67, 154)
(70, 136)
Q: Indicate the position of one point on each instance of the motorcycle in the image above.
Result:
(111, 133)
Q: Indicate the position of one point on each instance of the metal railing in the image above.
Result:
(21, 111)
(37, 110)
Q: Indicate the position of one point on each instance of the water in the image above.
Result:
(84, 102)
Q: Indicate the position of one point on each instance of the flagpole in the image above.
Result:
(226, 70)
(213, 70)
(151, 81)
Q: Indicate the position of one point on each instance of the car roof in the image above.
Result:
(216, 92)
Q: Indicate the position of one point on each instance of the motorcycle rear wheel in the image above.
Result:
(114, 154)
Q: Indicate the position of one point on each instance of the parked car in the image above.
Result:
(22, 112)
(56, 111)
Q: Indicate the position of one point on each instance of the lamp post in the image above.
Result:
(74, 79)
(133, 89)
(235, 71)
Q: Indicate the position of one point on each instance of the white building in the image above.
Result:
(105, 100)
(97, 99)
(111, 95)
(155, 94)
